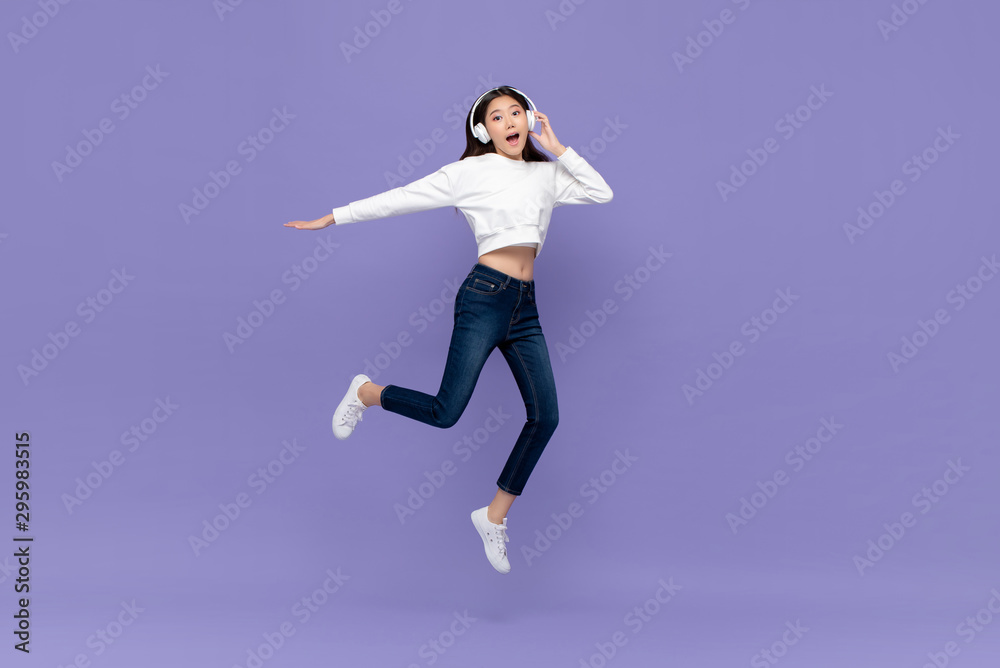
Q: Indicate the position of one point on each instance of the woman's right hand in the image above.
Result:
(317, 224)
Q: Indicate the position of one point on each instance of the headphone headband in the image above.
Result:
(472, 114)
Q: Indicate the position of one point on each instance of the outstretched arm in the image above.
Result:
(430, 192)
(433, 191)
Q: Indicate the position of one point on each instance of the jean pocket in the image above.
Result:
(484, 286)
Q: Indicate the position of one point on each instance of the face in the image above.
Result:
(505, 116)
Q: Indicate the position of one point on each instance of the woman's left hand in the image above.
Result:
(547, 138)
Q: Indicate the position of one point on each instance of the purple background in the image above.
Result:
(680, 131)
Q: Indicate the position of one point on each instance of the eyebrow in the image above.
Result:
(490, 114)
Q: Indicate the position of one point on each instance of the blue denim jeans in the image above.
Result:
(492, 310)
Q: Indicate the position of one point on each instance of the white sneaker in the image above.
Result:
(494, 538)
(348, 413)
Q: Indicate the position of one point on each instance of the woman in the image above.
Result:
(507, 189)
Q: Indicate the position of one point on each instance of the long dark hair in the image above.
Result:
(474, 147)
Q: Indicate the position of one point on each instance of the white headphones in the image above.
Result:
(480, 132)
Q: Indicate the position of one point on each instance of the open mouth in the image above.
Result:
(513, 139)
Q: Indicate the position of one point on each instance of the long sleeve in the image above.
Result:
(579, 183)
(430, 192)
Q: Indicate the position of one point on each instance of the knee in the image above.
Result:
(448, 420)
(447, 410)
(447, 417)
(548, 419)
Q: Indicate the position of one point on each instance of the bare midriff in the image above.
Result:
(516, 261)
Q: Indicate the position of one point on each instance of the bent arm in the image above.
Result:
(579, 183)
(430, 192)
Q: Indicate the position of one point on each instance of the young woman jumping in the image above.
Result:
(507, 189)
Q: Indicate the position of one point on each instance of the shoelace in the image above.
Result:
(352, 415)
(501, 533)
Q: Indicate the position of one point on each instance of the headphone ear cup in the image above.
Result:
(531, 120)
(481, 133)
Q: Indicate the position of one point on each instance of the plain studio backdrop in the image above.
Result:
(775, 349)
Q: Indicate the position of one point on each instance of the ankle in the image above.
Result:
(361, 394)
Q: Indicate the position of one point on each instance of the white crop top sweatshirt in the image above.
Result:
(507, 202)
